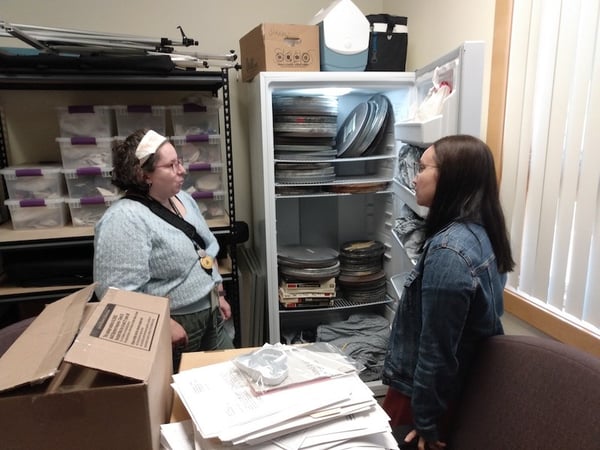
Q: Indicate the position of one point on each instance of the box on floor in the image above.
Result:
(89, 375)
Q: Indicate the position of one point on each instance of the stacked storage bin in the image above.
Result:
(86, 138)
(134, 117)
(198, 143)
(35, 196)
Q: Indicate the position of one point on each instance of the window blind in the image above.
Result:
(550, 185)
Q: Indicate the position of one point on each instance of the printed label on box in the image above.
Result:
(126, 326)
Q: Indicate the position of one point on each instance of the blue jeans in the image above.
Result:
(205, 331)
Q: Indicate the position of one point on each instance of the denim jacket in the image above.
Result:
(451, 300)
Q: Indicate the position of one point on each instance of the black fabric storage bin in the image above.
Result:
(388, 42)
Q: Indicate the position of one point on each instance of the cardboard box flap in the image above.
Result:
(122, 334)
(37, 353)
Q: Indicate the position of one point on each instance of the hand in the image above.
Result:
(179, 337)
(224, 307)
(423, 444)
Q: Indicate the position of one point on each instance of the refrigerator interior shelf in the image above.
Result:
(338, 304)
(342, 181)
(338, 160)
(325, 194)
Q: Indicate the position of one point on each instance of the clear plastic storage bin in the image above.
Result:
(87, 211)
(191, 118)
(85, 152)
(37, 213)
(203, 177)
(134, 117)
(24, 182)
(198, 148)
(89, 182)
(211, 204)
(85, 120)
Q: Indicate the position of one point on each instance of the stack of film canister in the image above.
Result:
(304, 129)
(307, 276)
(362, 278)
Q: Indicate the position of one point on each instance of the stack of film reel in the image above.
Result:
(307, 276)
(362, 278)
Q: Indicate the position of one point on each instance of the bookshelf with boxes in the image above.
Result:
(52, 207)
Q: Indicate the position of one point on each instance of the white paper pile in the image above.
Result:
(321, 405)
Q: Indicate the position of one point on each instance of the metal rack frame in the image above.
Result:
(205, 81)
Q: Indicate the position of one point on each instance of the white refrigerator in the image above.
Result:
(330, 213)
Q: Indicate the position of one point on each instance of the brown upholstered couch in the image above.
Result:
(530, 393)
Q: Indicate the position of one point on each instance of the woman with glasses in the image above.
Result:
(137, 249)
(452, 299)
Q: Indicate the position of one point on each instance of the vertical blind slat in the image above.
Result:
(587, 200)
(517, 139)
(584, 27)
(562, 172)
(549, 115)
(551, 163)
(537, 116)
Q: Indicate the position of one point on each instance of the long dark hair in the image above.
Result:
(467, 191)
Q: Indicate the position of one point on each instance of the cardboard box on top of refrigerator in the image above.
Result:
(279, 47)
(89, 375)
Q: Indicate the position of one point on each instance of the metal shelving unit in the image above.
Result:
(55, 239)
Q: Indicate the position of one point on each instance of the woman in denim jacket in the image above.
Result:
(452, 299)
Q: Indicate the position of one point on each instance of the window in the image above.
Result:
(550, 143)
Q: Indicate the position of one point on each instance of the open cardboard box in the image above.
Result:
(89, 375)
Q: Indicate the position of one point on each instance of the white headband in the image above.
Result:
(149, 144)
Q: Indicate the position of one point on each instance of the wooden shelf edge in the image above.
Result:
(552, 324)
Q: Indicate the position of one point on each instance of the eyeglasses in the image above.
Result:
(420, 167)
(173, 165)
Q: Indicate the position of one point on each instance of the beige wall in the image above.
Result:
(435, 27)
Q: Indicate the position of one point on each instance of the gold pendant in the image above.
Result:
(206, 262)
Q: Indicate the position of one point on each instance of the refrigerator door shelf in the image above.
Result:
(422, 134)
(407, 196)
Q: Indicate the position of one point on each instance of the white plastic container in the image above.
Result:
(191, 118)
(343, 35)
(85, 152)
(37, 213)
(134, 117)
(203, 178)
(89, 182)
(85, 120)
(87, 211)
(198, 148)
(24, 182)
(211, 203)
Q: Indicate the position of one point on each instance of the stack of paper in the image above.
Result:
(319, 412)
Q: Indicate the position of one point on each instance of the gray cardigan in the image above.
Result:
(136, 250)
